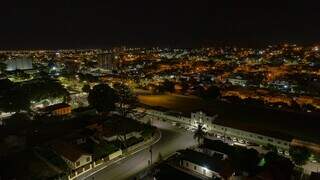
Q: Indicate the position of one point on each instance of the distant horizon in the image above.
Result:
(211, 45)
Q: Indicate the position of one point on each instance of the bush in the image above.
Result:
(299, 155)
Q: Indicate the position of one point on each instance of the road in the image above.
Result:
(172, 140)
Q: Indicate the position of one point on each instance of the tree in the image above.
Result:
(160, 157)
(102, 150)
(5, 85)
(41, 89)
(15, 100)
(167, 86)
(271, 148)
(43, 75)
(87, 77)
(3, 67)
(211, 93)
(18, 121)
(199, 134)
(22, 75)
(72, 66)
(244, 159)
(299, 155)
(280, 167)
(126, 99)
(86, 88)
(102, 97)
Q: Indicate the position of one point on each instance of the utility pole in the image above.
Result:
(150, 150)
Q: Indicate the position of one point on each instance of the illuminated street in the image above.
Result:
(160, 90)
(172, 140)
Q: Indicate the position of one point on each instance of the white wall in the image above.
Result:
(223, 130)
(83, 161)
(199, 169)
(115, 154)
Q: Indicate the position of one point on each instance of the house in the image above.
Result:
(109, 134)
(58, 109)
(237, 81)
(79, 137)
(205, 165)
(72, 155)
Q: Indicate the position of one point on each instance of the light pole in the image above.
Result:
(150, 150)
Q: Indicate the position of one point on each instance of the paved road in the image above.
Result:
(172, 140)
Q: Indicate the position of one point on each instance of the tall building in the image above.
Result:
(108, 61)
(19, 64)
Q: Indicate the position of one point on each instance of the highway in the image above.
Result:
(172, 140)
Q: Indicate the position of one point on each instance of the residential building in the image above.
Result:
(237, 81)
(72, 155)
(201, 118)
(281, 141)
(107, 61)
(205, 165)
(58, 109)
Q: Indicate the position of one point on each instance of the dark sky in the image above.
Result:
(153, 22)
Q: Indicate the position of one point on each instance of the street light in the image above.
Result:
(150, 150)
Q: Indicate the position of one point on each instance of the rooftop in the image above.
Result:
(68, 151)
(214, 163)
(55, 107)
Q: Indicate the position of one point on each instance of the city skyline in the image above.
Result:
(160, 90)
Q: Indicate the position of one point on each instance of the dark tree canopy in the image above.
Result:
(102, 97)
(299, 155)
(5, 85)
(211, 93)
(280, 167)
(87, 77)
(18, 121)
(3, 67)
(199, 134)
(244, 159)
(40, 89)
(126, 99)
(167, 86)
(15, 100)
(86, 88)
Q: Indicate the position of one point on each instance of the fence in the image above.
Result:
(110, 157)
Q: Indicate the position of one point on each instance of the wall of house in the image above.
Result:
(128, 135)
(110, 138)
(249, 136)
(115, 154)
(82, 161)
(208, 123)
(70, 163)
(61, 111)
(198, 169)
(240, 82)
(201, 117)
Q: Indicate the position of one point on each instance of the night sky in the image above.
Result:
(158, 23)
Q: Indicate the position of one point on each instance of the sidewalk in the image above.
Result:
(127, 154)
